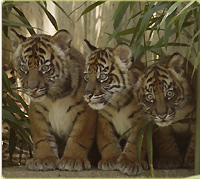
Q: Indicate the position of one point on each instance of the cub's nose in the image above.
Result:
(88, 95)
(162, 116)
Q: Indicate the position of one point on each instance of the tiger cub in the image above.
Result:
(108, 73)
(167, 96)
(50, 71)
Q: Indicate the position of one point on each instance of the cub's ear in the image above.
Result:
(136, 77)
(177, 63)
(88, 48)
(62, 39)
(125, 54)
(16, 38)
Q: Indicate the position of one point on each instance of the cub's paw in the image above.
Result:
(189, 162)
(74, 164)
(107, 164)
(42, 164)
(168, 163)
(129, 167)
(145, 165)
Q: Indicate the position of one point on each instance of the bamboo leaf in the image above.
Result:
(23, 19)
(150, 147)
(12, 142)
(121, 137)
(13, 122)
(170, 11)
(62, 10)
(16, 24)
(121, 12)
(168, 28)
(19, 98)
(139, 140)
(115, 32)
(6, 82)
(49, 15)
(192, 43)
(91, 7)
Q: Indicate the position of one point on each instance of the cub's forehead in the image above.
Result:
(36, 40)
(157, 75)
(99, 60)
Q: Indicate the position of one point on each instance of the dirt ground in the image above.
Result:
(21, 172)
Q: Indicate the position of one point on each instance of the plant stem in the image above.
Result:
(197, 143)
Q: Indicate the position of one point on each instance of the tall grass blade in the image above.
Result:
(170, 11)
(49, 15)
(91, 7)
(23, 19)
(150, 147)
(121, 12)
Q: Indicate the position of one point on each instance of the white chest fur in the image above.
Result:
(121, 121)
(61, 120)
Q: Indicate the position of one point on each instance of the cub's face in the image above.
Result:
(106, 74)
(36, 59)
(165, 90)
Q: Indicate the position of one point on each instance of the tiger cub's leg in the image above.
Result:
(107, 144)
(166, 150)
(45, 157)
(75, 156)
(189, 158)
(128, 162)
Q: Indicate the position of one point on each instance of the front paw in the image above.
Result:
(168, 163)
(110, 164)
(129, 167)
(42, 164)
(74, 164)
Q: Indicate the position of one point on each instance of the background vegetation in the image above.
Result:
(167, 20)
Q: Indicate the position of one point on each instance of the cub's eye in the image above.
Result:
(103, 77)
(149, 97)
(86, 76)
(45, 68)
(170, 94)
(24, 68)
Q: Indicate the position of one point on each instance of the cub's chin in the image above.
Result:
(164, 123)
(96, 106)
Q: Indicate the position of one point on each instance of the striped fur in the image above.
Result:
(108, 73)
(167, 97)
(62, 124)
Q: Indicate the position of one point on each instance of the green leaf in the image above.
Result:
(168, 28)
(121, 137)
(6, 82)
(192, 43)
(12, 142)
(115, 33)
(19, 98)
(90, 8)
(126, 32)
(170, 10)
(23, 19)
(63, 11)
(150, 146)
(49, 15)
(139, 140)
(15, 124)
(120, 14)
(16, 24)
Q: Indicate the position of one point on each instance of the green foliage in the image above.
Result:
(15, 114)
(11, 7)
